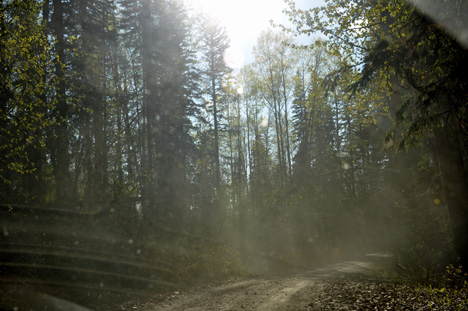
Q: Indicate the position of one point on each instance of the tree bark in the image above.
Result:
(455, 187)
(62, 158)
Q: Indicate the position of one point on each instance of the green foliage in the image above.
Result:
(444, 297)
(24, 112)
(390, 53)
(388, 39)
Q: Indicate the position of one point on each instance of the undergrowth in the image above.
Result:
(204, 261)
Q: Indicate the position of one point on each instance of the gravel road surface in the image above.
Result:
(303, 291)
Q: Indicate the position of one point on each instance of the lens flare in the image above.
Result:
(234, 57)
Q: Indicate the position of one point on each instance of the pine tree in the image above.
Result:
(214, 44)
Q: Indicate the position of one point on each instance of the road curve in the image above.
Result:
(296, 292)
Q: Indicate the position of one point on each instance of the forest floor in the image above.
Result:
(351, 285)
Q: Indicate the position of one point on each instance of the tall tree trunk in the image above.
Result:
(62, 157)
(99, 131)
(285, 98)
(149, 112)
(121, 132)
(249, 154)
(455, 187)
(216, 136)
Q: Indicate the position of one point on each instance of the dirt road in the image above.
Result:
(303, 291)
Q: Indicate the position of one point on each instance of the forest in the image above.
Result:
(126, 111)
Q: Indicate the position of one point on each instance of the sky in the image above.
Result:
(245, 20)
